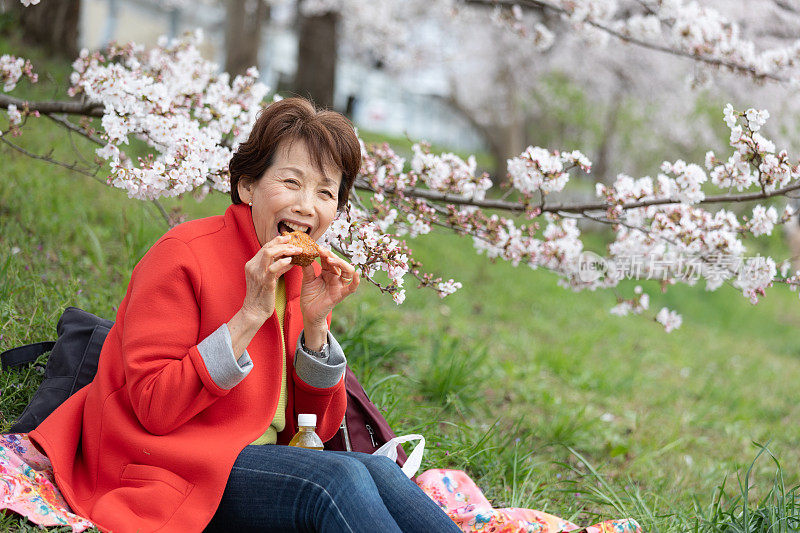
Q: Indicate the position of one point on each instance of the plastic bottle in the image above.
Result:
(306, 437)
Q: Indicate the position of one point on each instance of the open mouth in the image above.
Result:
(286, 226)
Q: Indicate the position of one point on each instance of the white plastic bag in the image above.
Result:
(414, 458)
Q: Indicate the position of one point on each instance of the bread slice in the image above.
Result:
(310, 248)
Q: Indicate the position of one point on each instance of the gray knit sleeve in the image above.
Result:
(217, 353)
(320, 372)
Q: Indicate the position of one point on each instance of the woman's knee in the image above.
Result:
(380, 465)
(353, 474)
(338, 473)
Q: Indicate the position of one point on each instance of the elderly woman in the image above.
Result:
(218, 344)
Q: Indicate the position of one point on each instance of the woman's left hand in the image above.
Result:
(320, 294)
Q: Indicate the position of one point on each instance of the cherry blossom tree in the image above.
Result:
(665, 229)
(505, 53)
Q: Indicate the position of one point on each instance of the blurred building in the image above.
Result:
(410, 106)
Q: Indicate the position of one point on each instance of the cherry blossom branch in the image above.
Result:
(700, 57)
(74, 167)
(168, 219)
(86, 108)
(522, 207)
(783, 4)
(74, 127)
(613, 223)
(416, 192)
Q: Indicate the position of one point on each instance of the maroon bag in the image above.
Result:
(364, 429)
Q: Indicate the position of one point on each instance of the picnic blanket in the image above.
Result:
(464, 502)
(27, 487)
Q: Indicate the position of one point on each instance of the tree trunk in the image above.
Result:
(52, 26)
(244, 19)
(603, 155)
(508, 141)
(316, 58)
(791, 231)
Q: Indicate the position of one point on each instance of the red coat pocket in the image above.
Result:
(146, 498)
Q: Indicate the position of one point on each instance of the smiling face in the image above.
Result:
(292, 194)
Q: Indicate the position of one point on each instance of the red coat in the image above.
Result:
(149, 444)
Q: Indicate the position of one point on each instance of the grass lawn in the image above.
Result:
(546, 399)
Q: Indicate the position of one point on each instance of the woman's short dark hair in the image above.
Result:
(328, 135)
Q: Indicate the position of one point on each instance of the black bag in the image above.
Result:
(73, 363)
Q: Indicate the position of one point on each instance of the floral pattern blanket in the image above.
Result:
(27, 487)
(463, 501)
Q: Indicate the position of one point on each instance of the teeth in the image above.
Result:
(296, 227)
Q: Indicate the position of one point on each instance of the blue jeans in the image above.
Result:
(282, 488)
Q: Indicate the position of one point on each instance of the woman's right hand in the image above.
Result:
(272, 261)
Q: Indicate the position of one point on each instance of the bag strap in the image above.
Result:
(348, 447)
(26, 354)
(414, 460)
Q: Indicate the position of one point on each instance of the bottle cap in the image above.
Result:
(307, 420)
